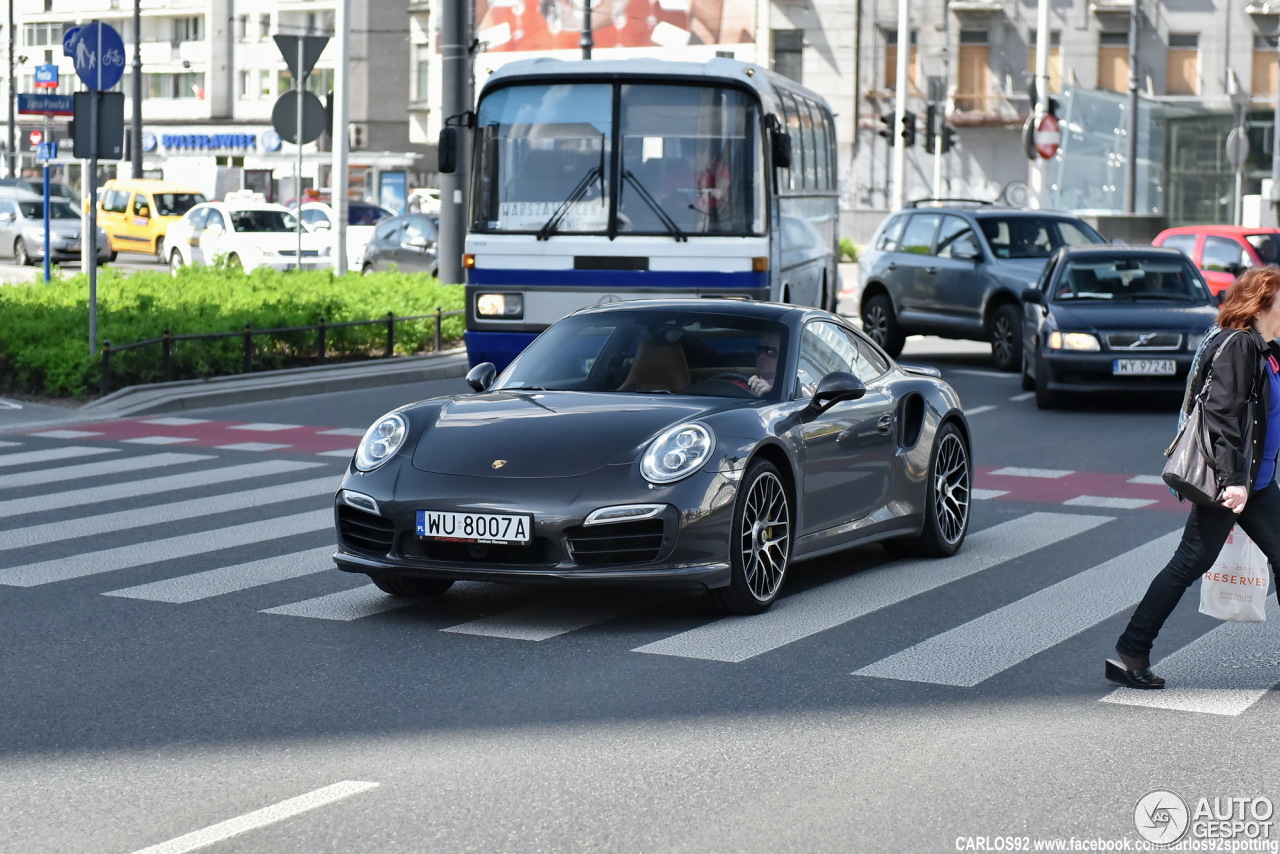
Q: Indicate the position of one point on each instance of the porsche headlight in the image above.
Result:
(677, 453)
(380, 441)
(1073, 341)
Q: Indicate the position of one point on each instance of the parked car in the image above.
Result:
(22, 231)
(1223, 252)
(406, 243)
(361, 218)
(1113, 318)
(623, 446)
(247, 232)
(955, 269)
(137, 213)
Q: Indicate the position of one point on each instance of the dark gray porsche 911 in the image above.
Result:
(705, 443)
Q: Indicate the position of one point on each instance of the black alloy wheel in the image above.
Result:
(948, 498)
(881, 324)
(1028, 378)
(1045, 398)
(760, 544)
(1006, 338)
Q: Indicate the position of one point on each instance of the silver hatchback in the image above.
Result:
(22, 233)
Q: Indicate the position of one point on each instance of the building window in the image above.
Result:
(46, 33)
(242, 28)
(788, 53)
(973, 71)
(1113, 61)
(1055, 59)
(246, 85)
(1183, 64)
(891, 62)
(187, 86)
(264, 26)
(424, 69)
(1264, 67)
(264, 84)
(188, 30)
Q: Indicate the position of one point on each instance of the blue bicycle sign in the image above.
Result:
(98, 52)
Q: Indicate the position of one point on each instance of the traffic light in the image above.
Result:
(889, 120)
(948, 138)
(908, 128)
(931, 128)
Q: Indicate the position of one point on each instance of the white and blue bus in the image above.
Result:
(600, 181)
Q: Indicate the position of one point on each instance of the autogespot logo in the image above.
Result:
(1161, 817)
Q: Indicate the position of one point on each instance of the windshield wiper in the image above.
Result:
(1169, 297)
(595, 172)
(672, 228)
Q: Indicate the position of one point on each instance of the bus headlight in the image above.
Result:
(508, 306)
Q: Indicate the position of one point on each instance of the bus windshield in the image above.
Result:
(689, 160)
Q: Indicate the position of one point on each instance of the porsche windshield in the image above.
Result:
(646, 352)
(680, 160)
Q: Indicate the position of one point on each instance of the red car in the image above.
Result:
(1223, 252)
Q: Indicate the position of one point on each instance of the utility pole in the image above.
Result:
(455, 51)
(899, 175)
(12, 153)
(1131, 175)
(586, 42)
(135, 132)
(1038, 175)
(341, 204)
(1275, 139)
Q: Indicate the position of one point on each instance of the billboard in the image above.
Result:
(540, 25)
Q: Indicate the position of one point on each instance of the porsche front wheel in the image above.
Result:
(759, 545)
(417, 587)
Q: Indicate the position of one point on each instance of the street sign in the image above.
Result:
(284, 116)
(1048, 136)
(47, 76)
(1237, 149)
(312, 47)
(47, 105)
(47, 151)
(69, 41)
(107, 140)
(98, 52)
(35, 138)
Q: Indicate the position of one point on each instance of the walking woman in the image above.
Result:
(1246, 372)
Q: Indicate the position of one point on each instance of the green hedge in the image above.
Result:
(44, 328)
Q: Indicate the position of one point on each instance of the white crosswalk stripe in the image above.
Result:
(345, 606)
(49, 455)
(797, 617)
(551, 618)
(85, 471)
(230, 579)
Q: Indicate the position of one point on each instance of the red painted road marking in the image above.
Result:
(293, 440)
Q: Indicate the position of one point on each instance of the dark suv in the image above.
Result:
(956, 269)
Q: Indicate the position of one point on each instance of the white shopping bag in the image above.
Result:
(1235, 587)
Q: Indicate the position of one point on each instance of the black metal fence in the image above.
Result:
(316, 353)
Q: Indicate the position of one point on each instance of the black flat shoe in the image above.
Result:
(1142, 677)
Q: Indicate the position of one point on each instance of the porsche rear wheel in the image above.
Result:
(947, 500)
(416, 587)
(760, 543)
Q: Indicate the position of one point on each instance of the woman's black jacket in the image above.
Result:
(1237, 395)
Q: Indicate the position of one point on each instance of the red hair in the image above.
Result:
(1249, 295)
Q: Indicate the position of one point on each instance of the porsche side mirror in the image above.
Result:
(835, 387)
(481, 376)
(1033, 295)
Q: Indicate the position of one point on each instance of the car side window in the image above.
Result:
(412, 229)
(917, 237)
(826, 347)
(428, 226)
(197, 218)
(313, 216)
(8, 207)
(1222, 251)
(890, 239)
(139, 203)
(115, 201)
(387, 230)
(1185, 243)
(954, 231)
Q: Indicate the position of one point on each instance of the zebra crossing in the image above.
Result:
(181, 523)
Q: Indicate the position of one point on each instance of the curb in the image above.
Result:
(182, 396)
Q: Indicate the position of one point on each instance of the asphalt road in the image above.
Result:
(183, 666)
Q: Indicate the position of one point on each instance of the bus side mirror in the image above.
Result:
(447, 150)
(781, 143)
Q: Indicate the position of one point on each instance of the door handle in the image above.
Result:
(933, 271)
(891, 266)
(885, 424)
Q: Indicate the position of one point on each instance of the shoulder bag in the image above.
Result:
(1190, 470)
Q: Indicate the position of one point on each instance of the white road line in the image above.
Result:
(150, 486)
(158, 551)
(343, 431)
(974, 652)
(264, 427)
(252, 446)
(1223, 672)
(10, 444)
(195, 508)
(49, 455)
(1048, 474)
(174, 421)
(342, 452)
(158, 440)
(259, 818)
(549, 618)
(345, 606)
(795, 617)
(1147, 480)
(9, 404)
(67, 434)
(84, 471)
(987, 374)
(1109, 502)
(230, 579)
(986, 494)
(1026, 395)
(978, 410)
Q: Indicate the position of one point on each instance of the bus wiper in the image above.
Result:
(594, 173)
(649, 200)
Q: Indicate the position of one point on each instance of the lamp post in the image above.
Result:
(135, 132)
(1131, 126)
(12, 153)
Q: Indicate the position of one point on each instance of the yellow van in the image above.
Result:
(136, 213)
